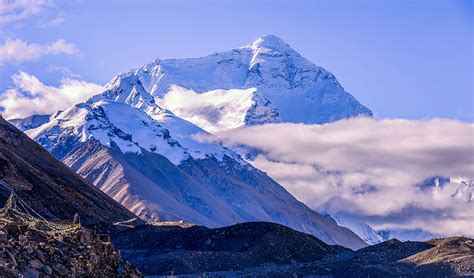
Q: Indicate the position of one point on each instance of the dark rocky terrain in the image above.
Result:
(28, 252)
(454, 255)
(270, 250)
(49, 186)
(167, 249)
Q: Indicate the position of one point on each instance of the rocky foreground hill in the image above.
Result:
(28, 252)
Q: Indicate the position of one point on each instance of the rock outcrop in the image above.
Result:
(35, 247)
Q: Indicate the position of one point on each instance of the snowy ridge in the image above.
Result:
(465, 190)
(407, 234)
(116, 124)
(33, 121)
(286, 87)
(129, 90)
(364, 231)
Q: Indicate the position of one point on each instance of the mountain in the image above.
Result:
(152, 161)
(266, 81)
(48, 186)
(363, 230)
(462, 191)
(154, 164)
(465, 189)
(372, 236)
(406, 234)
(30, 122)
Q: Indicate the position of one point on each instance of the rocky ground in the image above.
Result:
(27, 252)
(174, 249)
(270, 250)
(454, 254)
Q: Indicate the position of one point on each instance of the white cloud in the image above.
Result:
(371, 168)
(33, 97)
(15, 10)
(65, 71)
(213, 110)
(19, 51)
(53, 22)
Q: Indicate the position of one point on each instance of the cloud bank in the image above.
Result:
(15, 10)
(372, 169)
(20, 51)
(33, 97)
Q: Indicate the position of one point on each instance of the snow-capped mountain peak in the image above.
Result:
(271, 42)
(465, 190)
(129, 90)
(269, 45)
(284, 87)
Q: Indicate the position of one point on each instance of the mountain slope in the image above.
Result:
(457, 252)
(49, 186)
(266, 81)
(363, 230)
(152, 162)
(30, 122)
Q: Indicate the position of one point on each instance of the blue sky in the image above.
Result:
(402, 59)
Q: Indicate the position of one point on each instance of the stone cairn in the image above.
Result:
(35, 247)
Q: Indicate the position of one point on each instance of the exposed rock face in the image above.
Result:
(49, 186)
(31, 253)
(204, 192)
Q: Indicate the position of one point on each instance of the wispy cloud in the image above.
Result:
(16, 10)
(16, 50)
(34, 97)
(371, 169)
(53, 22)
(64, 71)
